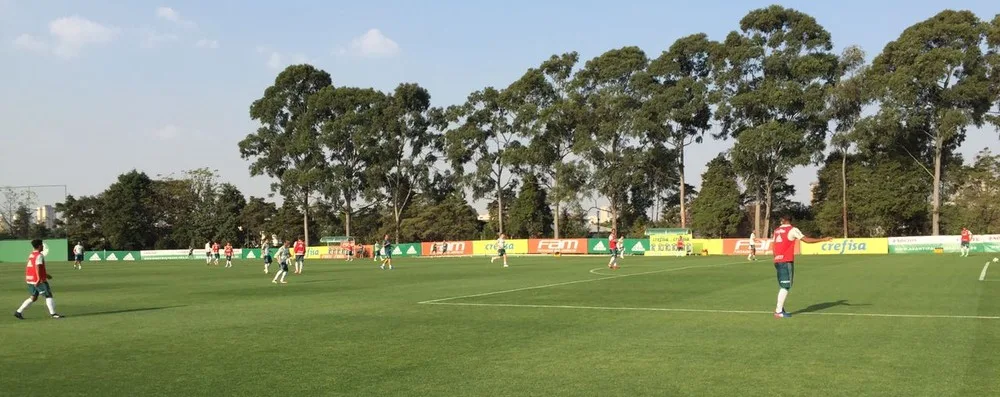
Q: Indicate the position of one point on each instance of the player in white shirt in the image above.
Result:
(501, 250)
(78, 256)
(283, 257)
(753, 247)
(208, 253)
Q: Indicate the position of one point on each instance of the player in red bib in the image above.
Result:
(300, 255)
(229, 254)
(613, 244)
(38, 281)
(785, 238)
(966, 241)
(215, 254)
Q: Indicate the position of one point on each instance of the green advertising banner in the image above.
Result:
(948, 244)
(636, 246)
(17, 251)
(111, 256)
(598, 246)
(152, 255)
(406, 249)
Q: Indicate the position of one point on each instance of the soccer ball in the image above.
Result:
(996, 260)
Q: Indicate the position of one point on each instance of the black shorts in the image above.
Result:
(284, 266)
(229, 257)
(267, 259)
(79, 258)
(965, 244)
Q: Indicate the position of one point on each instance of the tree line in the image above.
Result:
(615, 128)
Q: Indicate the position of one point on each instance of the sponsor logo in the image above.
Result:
(744, 246)
(550, 246)
(493, 246)
(844, 246)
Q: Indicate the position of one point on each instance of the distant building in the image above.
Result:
(46, 215)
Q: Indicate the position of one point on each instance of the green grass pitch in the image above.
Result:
(864, 325)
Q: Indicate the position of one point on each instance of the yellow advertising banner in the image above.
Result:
(713, 246)
(851, 246)
(325, 252)
(489, 247)
(666, 245)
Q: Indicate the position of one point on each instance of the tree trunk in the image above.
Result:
(347, 217)
(683, 188)
(555, 191)
(305, 217)
(936, 202)
(843, 188)
(756, 214)
(767, 208)
(499, 207)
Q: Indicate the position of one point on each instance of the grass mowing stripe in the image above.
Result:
(665, 309)
(574, 282)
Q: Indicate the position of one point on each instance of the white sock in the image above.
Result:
(51, 304)
(283, 276)
(24, 306)
(782, 294)
(276, 275)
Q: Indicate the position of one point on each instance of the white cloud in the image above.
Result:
(153, 39)
(172, 15)
(206, 43)
(279, 61)
(167, 132)
(374, 44)
(31, 43)
(73, 33)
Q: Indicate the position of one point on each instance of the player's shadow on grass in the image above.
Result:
(123, 311)
(818, 307)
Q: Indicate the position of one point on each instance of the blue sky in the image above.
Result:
(95, 88)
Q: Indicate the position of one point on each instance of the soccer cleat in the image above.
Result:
(57, 315)
(284, 282)
(274, 281)
(19, 316)
(505, 265)
(782, 314)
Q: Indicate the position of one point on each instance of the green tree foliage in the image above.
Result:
(549, 113)
(450, 219)
(677, 100)
(931, 85)
(406, 150)
(286, 146)
(11, 200)
(350, 121)
(81, 220)
(530, 215)
(717, 212)
(976, 202)
(256, 218)
(888, 197)
(482, 136)
(126, 217)
(574, 222)
(774, 88)
(229, 205)
(22, 222)
(626, 160)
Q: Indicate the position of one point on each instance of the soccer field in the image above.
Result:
(863, 325)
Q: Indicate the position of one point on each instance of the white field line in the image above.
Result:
(660, 309)
(576, 282)
(982, 276)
